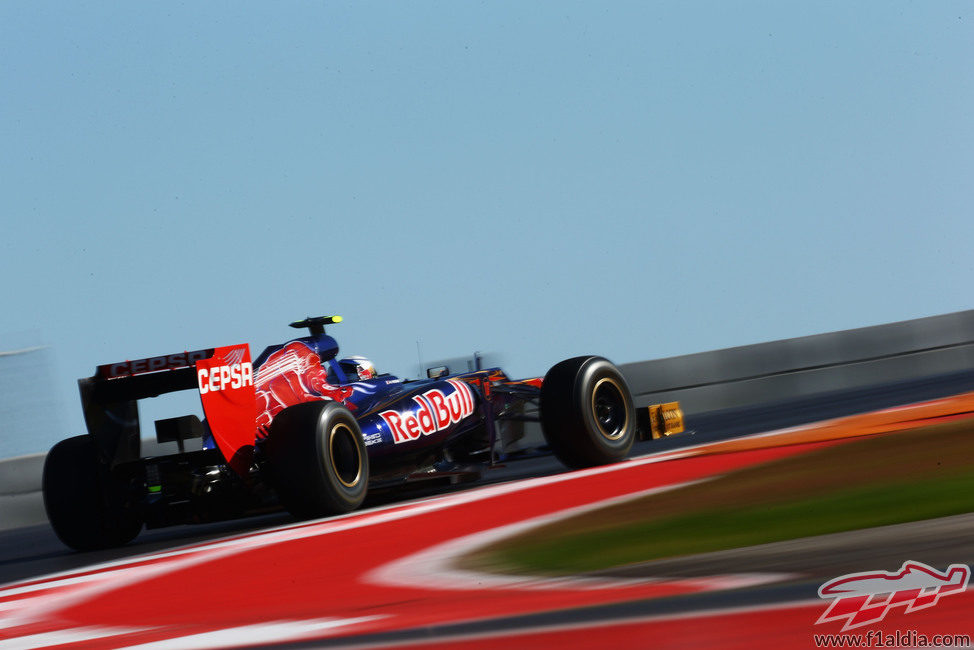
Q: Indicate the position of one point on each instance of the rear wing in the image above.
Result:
(223, 376)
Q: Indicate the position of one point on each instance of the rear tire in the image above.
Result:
(587, 413)
(88, 508)
(316, 459)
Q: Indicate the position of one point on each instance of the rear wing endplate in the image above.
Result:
(223, 376)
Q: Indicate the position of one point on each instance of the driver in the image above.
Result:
(358, 368)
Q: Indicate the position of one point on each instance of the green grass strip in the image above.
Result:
(712, 530)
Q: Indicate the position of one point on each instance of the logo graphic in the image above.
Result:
(292, 375)
(226, 390)
(433, 411)
(153, 364)
(228, 370)
(863, 598)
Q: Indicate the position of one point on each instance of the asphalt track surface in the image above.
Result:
(34, 551)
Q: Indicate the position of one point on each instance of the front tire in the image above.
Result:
(316, 459)
(587, 413)
(88, 508)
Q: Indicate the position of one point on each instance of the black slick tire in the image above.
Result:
(88, 508)
(587, 413)
(316, 459)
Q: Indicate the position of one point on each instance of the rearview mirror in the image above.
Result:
(437, 372)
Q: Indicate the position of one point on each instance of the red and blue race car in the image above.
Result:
(302, 429)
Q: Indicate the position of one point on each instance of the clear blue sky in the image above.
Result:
(540, 180)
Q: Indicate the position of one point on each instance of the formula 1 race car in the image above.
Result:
(300, 428)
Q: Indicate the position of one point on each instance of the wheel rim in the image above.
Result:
(610, 408)
(346, 458)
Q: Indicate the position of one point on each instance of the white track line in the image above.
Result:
(62, 637)
(500, 635)
(90, 582)
(436, 567)
(249, 635)
(79, 586)
(321, 527)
